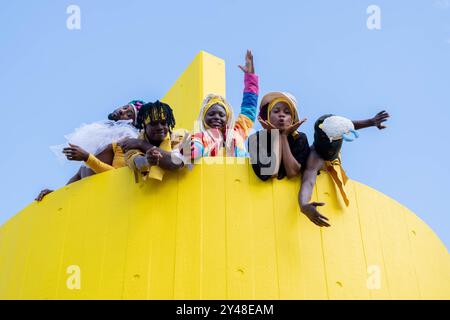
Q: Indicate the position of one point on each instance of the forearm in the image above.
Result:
(75, 178)
(97, 165)
(361, 124)
(247, 114)
(144, 146)
(290, 163)
(306, 190)
(169, 162)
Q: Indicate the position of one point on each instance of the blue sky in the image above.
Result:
(53, 79)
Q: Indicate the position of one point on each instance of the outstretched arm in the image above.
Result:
(376, 121)
(99, 163)
(308, 208)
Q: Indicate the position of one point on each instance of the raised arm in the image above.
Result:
(247, 115)
(376, 121)
(308, 208)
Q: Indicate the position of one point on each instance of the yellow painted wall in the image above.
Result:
(216, 232)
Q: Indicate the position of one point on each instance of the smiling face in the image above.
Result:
(280, 116)
(156, 131)
(216, 117)
(123, 113)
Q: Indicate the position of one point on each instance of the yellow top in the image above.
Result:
(168, 144)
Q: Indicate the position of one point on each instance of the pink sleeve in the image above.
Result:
(251, 83)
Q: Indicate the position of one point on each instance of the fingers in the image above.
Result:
(382, 117)
(264, 124)
(384, 113)
(154, 153)
(294, 127)
(242, 68)
(70, 153)
(319, 220)
(318, 204)
(42, 194)
(323, 223)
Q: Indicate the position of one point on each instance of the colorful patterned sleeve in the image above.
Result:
(197, 146)
(247, 116)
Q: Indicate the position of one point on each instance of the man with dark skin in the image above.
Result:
(157, 122)
(76, 153)
(316, 162)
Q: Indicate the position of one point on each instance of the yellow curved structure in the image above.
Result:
(216, 232)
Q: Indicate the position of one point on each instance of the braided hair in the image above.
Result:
(156, 111)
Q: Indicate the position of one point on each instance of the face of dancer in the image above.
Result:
(157, 131)
(216, 117)
(122, 113)
(280, 116)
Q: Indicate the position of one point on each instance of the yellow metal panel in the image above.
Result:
(346, 279)
(285, 219)
(216, 232)
(371, 239)
(264, 245)
(239, 232)
(400, 271)
(429, 256)
(188, 252)
(210, 198)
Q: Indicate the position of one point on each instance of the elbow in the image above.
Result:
(293, 173)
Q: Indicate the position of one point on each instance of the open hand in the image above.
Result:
(266, 124)
(310, 210)
(292, 128)
(378, 120)
(249, 66)
(75, 153)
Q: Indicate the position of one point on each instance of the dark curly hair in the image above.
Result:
(156, 111)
